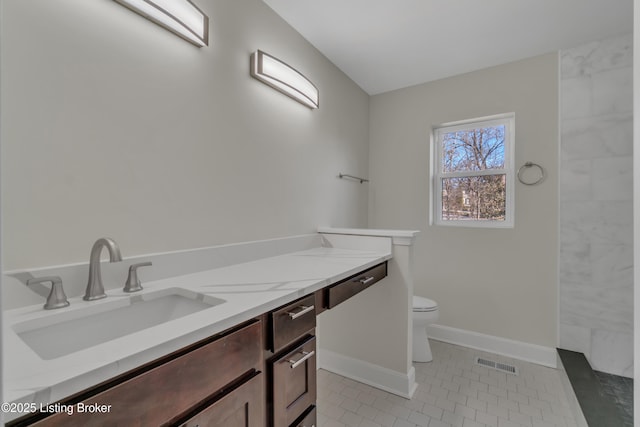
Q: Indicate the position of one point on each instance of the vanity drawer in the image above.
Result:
(160, 395)
(293, 383)
(342, 291)
(292, 322)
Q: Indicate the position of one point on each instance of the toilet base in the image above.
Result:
(421, 347)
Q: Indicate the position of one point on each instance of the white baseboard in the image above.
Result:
(546, 356)
(395, 382)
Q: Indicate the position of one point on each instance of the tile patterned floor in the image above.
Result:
(452, 391)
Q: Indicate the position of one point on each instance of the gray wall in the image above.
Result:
(596, 214)
(500, 282)
(113, 126)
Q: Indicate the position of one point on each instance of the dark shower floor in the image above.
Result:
(606, 400)
(620, 391)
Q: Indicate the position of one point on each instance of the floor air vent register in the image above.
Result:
(503, 367)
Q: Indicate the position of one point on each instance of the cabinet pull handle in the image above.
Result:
(302, 312)
(365, 280)
(306, 355)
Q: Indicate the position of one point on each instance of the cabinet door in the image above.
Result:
(294, 383)
(243, 407)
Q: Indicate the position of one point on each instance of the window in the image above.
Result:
(473, 176)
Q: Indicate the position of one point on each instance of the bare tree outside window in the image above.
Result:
(473, 172)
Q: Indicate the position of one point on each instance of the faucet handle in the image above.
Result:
(133, 283)
(57, 297)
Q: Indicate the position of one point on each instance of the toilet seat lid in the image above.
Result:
(424, 304)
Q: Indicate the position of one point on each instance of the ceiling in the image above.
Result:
(389, 44)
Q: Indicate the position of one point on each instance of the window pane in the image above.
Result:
(474, 198)
(473, 150)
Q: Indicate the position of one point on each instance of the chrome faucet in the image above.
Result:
(95, 290)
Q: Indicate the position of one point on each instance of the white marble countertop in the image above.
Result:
(249, 289)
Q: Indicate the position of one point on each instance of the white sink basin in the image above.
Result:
(66, 332)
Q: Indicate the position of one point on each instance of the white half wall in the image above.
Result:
(368, 337)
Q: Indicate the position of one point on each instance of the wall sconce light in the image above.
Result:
(284, 78)
(178, 16)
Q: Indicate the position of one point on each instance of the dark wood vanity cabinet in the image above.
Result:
(216, 382)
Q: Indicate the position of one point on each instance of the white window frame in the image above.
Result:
(508, 120)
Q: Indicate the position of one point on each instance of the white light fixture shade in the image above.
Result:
(284, 78)
(178, 16)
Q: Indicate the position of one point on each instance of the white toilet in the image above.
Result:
(425, 311)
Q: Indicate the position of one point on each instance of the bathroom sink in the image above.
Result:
(64, 333)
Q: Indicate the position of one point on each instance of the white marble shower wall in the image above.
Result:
(596, 196)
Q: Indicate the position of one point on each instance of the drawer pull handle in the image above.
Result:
(302, 312)
(306, 355)
(365, 280)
